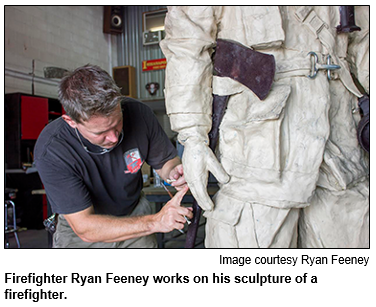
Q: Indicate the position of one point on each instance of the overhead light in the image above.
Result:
(155, 29)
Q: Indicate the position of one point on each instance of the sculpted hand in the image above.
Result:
(198, 160)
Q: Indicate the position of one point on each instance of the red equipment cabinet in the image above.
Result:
(34, 116)
(25, 118)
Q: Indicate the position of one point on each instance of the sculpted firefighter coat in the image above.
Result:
(297, 148)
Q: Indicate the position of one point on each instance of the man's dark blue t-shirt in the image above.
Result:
(75, 179)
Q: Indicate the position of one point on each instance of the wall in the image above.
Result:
(131, 51)
(59, 36)
(72, 36)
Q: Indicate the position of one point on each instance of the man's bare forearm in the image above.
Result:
(103, 228)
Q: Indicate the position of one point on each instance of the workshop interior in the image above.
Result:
(274, 102)
(41, 44)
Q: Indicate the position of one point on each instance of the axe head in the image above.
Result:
(251, 68)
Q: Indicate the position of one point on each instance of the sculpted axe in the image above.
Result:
(251, 68)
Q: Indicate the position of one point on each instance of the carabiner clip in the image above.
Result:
(316, 66)
(314, 69)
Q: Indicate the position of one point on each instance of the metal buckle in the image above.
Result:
(316, 66)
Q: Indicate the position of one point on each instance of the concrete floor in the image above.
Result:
(31, 238)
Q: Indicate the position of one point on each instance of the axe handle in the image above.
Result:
(190, 240)
(219, 108)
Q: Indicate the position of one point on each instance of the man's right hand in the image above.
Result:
(92, 227)
(172, 214)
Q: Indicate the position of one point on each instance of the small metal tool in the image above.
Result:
(188, 221)
(167, 190)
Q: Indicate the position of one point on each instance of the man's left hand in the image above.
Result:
(177, 177)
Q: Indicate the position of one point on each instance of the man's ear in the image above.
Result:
(69, 121)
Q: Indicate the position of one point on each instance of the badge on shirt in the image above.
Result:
(133, 161)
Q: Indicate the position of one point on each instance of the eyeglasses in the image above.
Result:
(103, 150)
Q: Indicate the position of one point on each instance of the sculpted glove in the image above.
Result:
(198, 160)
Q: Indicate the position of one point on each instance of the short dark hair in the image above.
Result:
(88, 90)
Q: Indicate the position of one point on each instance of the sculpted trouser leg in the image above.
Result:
(336, 219)
(338, 214)
(236, 224)
(66, 238)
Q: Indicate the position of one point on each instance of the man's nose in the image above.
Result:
(112, 136)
